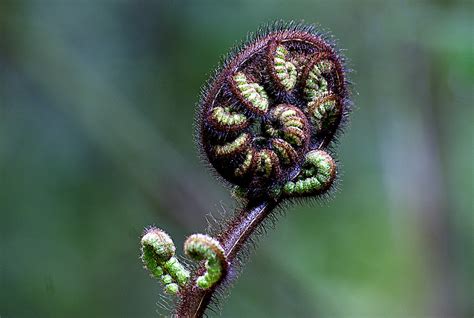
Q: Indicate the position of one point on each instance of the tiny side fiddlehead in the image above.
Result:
(266, 123)
(203, 247)
(158, 256)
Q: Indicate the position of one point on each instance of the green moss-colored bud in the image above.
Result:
(157, 245)
(158, 257)
(203, 247)
(317, 174)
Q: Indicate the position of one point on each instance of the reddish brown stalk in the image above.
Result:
(193, 300)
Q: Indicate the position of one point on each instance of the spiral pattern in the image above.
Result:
(271, 110)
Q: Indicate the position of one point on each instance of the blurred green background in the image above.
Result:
(97, 100)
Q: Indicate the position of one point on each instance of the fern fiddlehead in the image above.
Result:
(265, 123)
(158, 256)
(203, 247)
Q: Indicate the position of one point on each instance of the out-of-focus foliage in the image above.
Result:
(96, 142)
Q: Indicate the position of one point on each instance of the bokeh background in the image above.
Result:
(97, 100)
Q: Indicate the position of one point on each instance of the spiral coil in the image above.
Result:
(269, 108)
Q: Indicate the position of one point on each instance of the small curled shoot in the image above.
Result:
(317, 174)
(158, 252)
(203, 247)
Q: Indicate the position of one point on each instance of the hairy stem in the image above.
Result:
(193, 300)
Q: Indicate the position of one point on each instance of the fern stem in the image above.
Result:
(193, 300)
